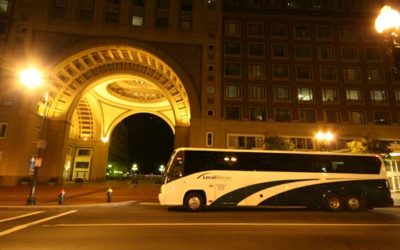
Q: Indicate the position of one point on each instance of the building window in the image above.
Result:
(3, 130)
(397, 96)
(112, 12)
(232, 48)
(257, 93)
(326, 53)
(233, 91)
(280, 72)
(232, 28)
(86, 9)
(301, 32)
(138, 13)
(232, 113)
(303, 52)
(255, 29)
(258, 114)
(357, 117)
(373, 54)
(279, 51)
(307, 115)
(328, 73)
(329, 95)
(375, 75)
(283, 115)
(304, 73)
(351, 74)
(256, 50)
(245, 141)
(278, 30)
(186, 15)
(381, 118)
(281, 93)
(305, 94)
(209, 139)
(4, 6)
(378, 96)
(60, 8)
(332, 116)
(347, 33)
(349, 54)
(251, 3)
(324, 33)
(256, 71)
(303, 143)
(233, 69)
(353, 95)
(162, 13)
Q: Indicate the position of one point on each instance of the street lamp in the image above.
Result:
(388, 22)
(32, 78)
(162, 169)
(134, 168)
(324, 139)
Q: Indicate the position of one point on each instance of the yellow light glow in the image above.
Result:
(31, 78)
(319, 136)
(387, 19)
(105, 139)
(329, 136)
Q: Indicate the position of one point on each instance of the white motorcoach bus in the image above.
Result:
(196, 178)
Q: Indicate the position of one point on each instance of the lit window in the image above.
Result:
(4, 5)
(353, 95)
(375, 74)
(397, 96)
(378, 96)
(329, 95)
(232, 28)
(138, 13)
(232, 91)
(305, 94)
(351, 74)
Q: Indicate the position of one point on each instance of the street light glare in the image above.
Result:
(387, 19)
(31, 78)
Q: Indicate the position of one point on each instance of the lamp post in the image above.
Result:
(162, 169)
(324, 139)
(32, 78)
(388, 22)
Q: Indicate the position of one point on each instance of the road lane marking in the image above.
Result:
(20, 216)
(223, 224)
(23, 226)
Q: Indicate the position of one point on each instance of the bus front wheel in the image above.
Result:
(194, 201)
(333, 203)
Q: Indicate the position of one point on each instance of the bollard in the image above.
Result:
(61, 196)
(109, 194)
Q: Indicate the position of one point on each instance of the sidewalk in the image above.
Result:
(81, 194)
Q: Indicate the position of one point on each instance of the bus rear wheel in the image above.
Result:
(194, 202)
(355, 203)
(333, 203)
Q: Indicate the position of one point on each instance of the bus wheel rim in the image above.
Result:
(334, 203)
(353, 203)
(194, 202)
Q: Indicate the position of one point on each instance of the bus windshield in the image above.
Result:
(175, 169)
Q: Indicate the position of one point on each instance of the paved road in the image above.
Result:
(143, 226)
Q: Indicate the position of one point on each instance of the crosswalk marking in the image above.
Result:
(20, 216)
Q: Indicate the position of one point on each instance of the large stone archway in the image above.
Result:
(94, 89)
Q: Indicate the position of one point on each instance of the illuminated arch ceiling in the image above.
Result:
(97, 88)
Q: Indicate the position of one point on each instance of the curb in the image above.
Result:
(30, 207)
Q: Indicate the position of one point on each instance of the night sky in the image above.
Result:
(150, 141)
